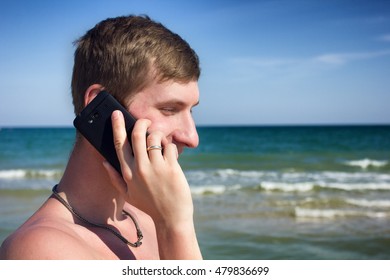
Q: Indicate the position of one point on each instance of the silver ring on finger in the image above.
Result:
(154, 147)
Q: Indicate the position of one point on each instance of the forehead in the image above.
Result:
(169, 91)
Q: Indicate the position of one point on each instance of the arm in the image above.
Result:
(178, 242)
(155, 183)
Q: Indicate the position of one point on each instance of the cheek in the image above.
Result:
(137, 112)
(160, 125)
(159, 122)
(143, 112)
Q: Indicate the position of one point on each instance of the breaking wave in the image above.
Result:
(338, 213)
(366, 163)
(227, 180)
(29, 174)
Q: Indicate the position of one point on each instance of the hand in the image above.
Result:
(153, 181)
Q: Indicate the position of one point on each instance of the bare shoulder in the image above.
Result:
(47, 234)
(42, 241)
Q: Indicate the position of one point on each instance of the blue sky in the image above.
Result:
(263, 62)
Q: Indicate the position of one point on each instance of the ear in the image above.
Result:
(91, 92)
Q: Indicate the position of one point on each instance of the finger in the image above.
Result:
(138, 139)
(155, 146)
(122, 146)
(171, 153)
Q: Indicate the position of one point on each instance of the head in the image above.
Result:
(127, 56)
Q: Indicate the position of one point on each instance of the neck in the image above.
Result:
(87, 187)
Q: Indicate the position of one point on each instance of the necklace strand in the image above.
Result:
(124, 240)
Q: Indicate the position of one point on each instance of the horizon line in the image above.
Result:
(218, 125)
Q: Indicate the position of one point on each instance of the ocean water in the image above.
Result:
(271, 192)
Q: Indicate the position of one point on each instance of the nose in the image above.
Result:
(186, 135)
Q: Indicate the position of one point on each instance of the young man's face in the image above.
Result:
(169, 106)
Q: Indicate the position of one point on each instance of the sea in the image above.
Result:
(260, 192)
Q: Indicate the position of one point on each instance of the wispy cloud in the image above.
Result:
(343, 58)
(384, 38)
(252, 67)
(264, 62)
(326, 58)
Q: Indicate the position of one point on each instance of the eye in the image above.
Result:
(168, 110)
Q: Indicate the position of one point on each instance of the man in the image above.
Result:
(147, 213)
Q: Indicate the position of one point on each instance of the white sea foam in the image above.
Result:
(291, 181)
(336, 213)
(27, 174)
(365, 163)
(217, 189)
(12, 174)
(369, 203)
(318, 213)
(227, 172)
(309, 186)
(287, 187)
(360, 186)
(291, 176)
(214, 189)
(270, 186)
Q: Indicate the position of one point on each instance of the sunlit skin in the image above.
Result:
(153, 181)
(168, 106)
(153, 188)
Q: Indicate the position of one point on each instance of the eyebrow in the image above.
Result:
(176, 102)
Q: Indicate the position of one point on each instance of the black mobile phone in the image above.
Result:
(94, 123)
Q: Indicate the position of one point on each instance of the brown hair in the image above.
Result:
(125, 53)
